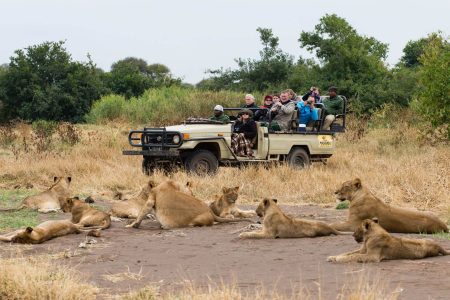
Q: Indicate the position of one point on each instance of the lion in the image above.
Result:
(175, 209)
(85, 215)
(380, 245)
(277, 224)
(225, 205)
(49, 200)
(42, 232)
(364, 205)
(130, 208)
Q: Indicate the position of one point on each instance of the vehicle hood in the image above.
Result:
(201, 129)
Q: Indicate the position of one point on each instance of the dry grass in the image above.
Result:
(361, 286)
(37, 278)
(390, 161)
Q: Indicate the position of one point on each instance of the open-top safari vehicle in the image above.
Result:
(202, 145)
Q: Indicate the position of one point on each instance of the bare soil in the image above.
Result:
(127, 259)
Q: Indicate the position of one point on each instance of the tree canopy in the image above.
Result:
(43, 82)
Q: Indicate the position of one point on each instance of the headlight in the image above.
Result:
(176, 139)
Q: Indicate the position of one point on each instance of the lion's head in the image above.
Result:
(67, 204)
(231, 194)
(345, 192)
(264, 205)
(364, 228)
(23, 237)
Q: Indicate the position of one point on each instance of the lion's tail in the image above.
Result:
(13, 208)
(342, 232)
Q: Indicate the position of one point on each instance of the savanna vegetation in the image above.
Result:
(59, 116)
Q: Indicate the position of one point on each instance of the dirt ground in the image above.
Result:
(127, 259)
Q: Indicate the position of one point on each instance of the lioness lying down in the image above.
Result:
(225, 205)
(277, 224)
(130, 208)
(380, 245)
(364, 205)
(175, 209)
(42, 232)
(85, 215)
(49, 200)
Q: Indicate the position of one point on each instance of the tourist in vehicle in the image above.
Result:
(305, 110)
(333, 106)
(313, 91)
(284, 111)
(219, 115)
(262, 115)
(293, 96)
(243, 133)
(250, 103)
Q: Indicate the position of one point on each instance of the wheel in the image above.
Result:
(298, 158)
(201, 162)
(148, 166)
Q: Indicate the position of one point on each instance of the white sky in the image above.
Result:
(193, 36)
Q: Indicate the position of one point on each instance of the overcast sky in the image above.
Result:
(193, 36)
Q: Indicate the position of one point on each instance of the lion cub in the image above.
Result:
(49, 200)
(277, 224)
(380, 245)
(42, 232)
(85, 215)
(225, 205)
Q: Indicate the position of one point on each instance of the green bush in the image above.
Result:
(163, 106)
(43, 128)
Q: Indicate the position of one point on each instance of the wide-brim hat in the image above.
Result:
(246, 111)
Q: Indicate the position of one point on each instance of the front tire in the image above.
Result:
(298, 158)
(148, 166)
(201, 162)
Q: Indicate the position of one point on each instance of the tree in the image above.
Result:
(433, 98)
(43, 82)
(132, 76)
(350, 61)
(414, 50)
(271, 70)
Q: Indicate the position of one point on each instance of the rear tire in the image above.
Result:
(298, 158)
(201, 162)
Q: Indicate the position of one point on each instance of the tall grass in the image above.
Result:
(161, 106)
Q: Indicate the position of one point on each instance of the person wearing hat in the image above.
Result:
(219, 115)
(333, 106)
(243, 133)
(261, 115)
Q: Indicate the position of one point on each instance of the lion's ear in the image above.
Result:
(357, 183)
(275, 200)
(225, 189)
(236, 188)
(29, 229)
(189, 184)
(266, 202)
(375, 220)
(151, 184)
(366, 225)
(70, 200)
(69, 179)
(55, 178)
(76, 197)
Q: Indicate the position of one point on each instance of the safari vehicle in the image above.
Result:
(200, 145)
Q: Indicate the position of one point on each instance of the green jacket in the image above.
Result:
(334, 106)
(222, 118)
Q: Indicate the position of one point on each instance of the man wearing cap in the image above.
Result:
(333, 107)
(219, 115)
(243, 133)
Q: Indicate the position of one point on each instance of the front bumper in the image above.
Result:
(152, 153)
